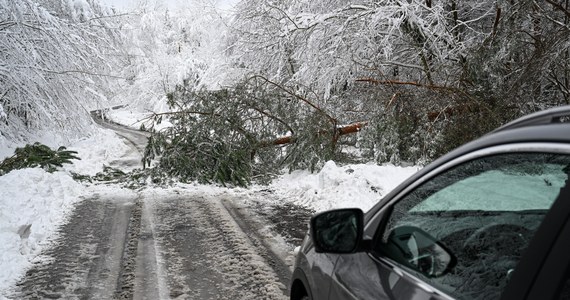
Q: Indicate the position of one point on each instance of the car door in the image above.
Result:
(553, 279)
(461, 230)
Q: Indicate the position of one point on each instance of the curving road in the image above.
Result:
(167, 244)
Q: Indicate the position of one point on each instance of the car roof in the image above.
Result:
(559, 114)
(548, 126)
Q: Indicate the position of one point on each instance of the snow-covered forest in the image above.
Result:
(270, 84)
(58, 59)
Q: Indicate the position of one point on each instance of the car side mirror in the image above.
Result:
(337, 231)
(419, 251)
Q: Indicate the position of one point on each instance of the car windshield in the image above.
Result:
(506, 188)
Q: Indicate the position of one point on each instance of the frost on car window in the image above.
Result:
(502, 183)
(497, 190)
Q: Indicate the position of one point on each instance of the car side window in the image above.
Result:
(465, 230)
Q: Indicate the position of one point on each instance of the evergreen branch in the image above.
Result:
(272, 117)
(37, 155)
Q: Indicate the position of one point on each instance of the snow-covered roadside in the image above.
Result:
(33, 203)
(136, 119)
(360, 185)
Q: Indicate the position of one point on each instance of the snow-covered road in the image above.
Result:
(159, 246)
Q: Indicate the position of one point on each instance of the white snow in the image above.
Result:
(135, 120)
(102, 148)
(3, 115)
(32, 203)
(43, 200)
(335, 186)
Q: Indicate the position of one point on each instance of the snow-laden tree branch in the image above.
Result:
(50, 64)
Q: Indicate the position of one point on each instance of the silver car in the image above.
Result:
(489, 220)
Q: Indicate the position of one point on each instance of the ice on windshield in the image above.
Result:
(499, 190)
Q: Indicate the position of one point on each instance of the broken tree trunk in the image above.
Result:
(340, 130)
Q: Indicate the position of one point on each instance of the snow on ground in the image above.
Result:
(361, 185)
(134, 119)
(102, 148)
(33, 203)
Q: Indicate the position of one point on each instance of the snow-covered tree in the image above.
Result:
(425, 76)
(430, 75)
(55, 66)
(169, 48)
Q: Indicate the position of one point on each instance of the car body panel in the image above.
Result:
(320, 266)
(361, 276)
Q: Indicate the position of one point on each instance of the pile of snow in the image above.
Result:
(335, 186)
(33, 203)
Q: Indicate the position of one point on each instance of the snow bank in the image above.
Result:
(359, 185)
(33, 203)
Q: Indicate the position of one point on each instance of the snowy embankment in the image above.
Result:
(360, 185)
(33, 203)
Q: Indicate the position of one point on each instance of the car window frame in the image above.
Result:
(552, 270)
(376, 225)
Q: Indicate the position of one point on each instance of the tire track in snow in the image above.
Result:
(85, 259)
(208, 255)
(245, 223)
(126, 280)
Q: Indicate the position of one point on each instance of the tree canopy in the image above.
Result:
(277, 84)
(56, 61)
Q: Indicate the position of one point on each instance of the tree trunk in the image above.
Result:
(341, 130)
